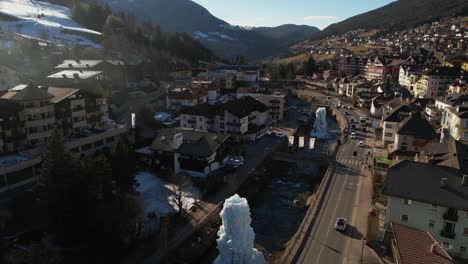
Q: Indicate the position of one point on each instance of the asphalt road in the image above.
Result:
(322, 243)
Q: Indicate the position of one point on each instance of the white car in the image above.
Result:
(361, 144)
(353, 135)
(341, 224)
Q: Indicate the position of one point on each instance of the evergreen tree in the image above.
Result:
(58, 172)
(123, 165)
(309, 67)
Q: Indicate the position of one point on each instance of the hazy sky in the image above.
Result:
(319, 13)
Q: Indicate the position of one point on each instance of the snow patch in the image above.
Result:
(221, 35)
(156, 194)
(39, 20)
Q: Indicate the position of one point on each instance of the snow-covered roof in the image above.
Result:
(74, 74)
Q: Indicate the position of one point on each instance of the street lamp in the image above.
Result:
(362, 249)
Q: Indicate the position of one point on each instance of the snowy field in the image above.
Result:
(43, 21)
(156, 194)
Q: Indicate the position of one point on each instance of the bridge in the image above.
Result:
(306, 157)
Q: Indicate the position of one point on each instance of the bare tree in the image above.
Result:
(181, 185)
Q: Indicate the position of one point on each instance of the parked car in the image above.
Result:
(341, 224)
(353, 134)
(346, 113)
(280, 134)
(361, 144)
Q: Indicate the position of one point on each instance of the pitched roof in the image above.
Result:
(241, 107)
(195, 143)
(421, 182)
(74, 74)
(445, 71)
(414, 246)
(396, 114)
(31, 93)
(60, 93)
(417, 126)
(86, 64)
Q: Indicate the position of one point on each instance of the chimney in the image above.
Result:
(433, 247)
(443, 183)
(177, 141)
(64, 75)
(76, 75)
(465, 180)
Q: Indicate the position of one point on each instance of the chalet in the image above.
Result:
(188, 151)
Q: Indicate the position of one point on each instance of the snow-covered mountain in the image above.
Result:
(39, 20)
(223, 38)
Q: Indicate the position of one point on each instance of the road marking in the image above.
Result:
(353, 220)
(333, 217)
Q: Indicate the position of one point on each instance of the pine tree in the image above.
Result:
(58, 172)
(123, 165)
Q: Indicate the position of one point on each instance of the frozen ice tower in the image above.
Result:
(320, 125)
(236, 237)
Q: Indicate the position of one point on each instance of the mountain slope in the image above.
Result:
(171, 15)
(401, 14)
(44, 21)
(225, 39)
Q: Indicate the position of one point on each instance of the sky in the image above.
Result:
(319, 13)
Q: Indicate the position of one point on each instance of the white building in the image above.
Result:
(391, 122)
(430, 198)
(435, 82)
(275, 101)
(455, 122)
(244, 118)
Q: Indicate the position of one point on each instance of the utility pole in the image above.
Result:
(362, 249)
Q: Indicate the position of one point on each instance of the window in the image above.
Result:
(388, 126)
(465, 231)
(462, 249)
(404, 218)
(434, 207)
(431, 224)
(407, 202)
(388, 134)
(446, 245)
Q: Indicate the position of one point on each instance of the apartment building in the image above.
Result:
(114, 71)
(455, 122)
(182, 95)
(413, 134)
(431, 198)
(275, 101)
(351, 66)
(245, 118)
(435, 82)
(408, 76)
(391, 122)
(29, 113)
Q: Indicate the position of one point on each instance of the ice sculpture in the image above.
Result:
(236, 237)
(319, 129)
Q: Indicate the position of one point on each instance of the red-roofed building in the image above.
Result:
(412, 246)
